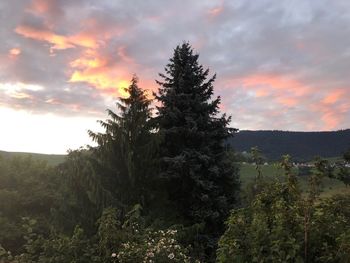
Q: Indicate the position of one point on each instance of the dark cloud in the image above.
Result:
(280, 64)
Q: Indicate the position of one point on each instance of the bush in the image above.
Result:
(282, 224)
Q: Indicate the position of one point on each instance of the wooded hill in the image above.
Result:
(302, 146)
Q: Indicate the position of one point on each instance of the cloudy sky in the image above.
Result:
(280, 64)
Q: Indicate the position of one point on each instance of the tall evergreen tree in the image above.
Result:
(124, 148)
(201, 180)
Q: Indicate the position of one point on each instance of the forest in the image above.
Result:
(163, 185)
(303, 146)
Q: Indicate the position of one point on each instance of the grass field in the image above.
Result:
(330, 186)
(51, 159)
(247, 172)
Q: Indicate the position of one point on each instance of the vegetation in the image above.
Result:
(51, 159)
(124, 156)
(201, 182)
(281, 223)
(159, 187)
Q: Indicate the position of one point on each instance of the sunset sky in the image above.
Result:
(281, 65)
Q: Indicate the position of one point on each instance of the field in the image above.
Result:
(51, 159)
(247, 171)
(330, 186)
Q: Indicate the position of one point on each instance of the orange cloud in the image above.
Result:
(277, 82)
(103, 81)
(281, 89)
(261, 93)
(84, 40)
(334, 96)
(14, 52)
(331, 114)
(215, 11)
(287, 101)
(97, 70)
(290, 92)
(88, 63)
(58, 42)
(41, 6)
(331, 109)
(331, 120)
(50, 9)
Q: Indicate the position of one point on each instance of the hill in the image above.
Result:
(302, 146)
(51, 159)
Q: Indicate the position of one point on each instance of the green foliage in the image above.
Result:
(116, 241)
(27, 188)
(344, 169)
(143, 244)
(82, 195)
(201, 182)
(109, 232)
(125, 153)
(55, 248)
(257, 184)
(282, 224)
(258, 160)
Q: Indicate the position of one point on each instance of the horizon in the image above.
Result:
(65, 153)
(280, 66)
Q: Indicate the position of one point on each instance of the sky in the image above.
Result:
(280, 65)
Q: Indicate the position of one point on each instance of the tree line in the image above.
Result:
(302, 146)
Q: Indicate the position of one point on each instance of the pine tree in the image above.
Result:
(201, 181)
(124, 149)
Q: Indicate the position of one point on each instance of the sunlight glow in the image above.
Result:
(45, 133)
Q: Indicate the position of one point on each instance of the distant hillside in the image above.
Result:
(300, 145)
(51, 159)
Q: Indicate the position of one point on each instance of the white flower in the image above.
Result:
(171, 255)
(113, 255)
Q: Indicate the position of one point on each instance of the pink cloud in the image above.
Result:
(321, 111)
(57, 41)
(334, 96)
(215, 11)
(276, 82)
(14, 52)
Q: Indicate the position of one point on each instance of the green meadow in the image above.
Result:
(330, 186)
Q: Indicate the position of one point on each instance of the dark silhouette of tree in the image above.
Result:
(201, 181)
(124, 151)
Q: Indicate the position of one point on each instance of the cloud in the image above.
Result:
(14, 52)
(280, 65)
(334, 96)
(57, 41)
(51, 8)
(102, 72)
